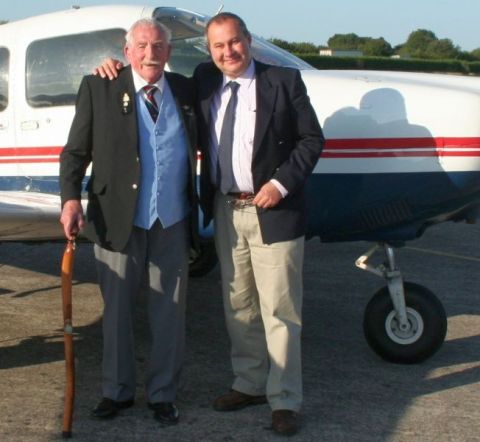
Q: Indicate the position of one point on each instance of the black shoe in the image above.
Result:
(108, 408)
(164, 412)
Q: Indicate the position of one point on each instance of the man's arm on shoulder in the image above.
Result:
(110, 68)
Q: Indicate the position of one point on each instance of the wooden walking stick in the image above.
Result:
(67, 270)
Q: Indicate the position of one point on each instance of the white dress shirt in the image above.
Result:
(244, 129)
(139, 83)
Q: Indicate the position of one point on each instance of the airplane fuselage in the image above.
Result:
(402, 150)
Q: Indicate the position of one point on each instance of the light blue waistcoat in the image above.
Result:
(163, 190)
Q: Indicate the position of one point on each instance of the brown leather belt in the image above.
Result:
(241, 195)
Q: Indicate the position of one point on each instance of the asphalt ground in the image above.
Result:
(350, 393)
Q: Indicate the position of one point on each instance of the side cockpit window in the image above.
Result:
(4, 63)
(55, 66)
(190, 48)
(188, 42)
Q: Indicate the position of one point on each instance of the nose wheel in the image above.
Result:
(403, 322)
(416, 340)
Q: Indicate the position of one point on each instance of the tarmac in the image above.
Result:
(350, 394)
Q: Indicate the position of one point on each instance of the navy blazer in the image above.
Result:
(104, 133)
(287, 143)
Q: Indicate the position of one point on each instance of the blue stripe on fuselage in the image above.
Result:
(351, 207)
(41, 184)
(387, 207)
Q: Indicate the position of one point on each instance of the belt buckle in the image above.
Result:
(241, 203)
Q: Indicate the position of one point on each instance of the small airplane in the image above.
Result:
(402, 151)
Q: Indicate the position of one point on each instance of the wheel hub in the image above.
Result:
(408, 333)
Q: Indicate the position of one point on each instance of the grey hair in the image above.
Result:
(148, 22)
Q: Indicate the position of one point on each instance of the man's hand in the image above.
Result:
(72, 218)
(268, 196)
(109, 68)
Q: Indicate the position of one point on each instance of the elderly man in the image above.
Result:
(139, 143)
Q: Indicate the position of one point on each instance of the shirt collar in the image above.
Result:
(245, 79)
(139, 82)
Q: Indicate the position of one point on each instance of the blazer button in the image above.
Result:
(134, 186)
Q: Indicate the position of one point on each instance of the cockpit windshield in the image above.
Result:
(189, 46)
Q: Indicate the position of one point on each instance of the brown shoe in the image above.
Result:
(284, 422)
(235, 401)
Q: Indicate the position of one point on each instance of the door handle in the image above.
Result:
(29, 125)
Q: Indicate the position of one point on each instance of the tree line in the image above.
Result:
(421, 44)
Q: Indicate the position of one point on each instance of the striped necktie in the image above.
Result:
(150, 102)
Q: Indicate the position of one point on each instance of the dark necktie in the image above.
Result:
(225, 172)
(150, 102)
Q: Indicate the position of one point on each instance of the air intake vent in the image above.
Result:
(386, 214)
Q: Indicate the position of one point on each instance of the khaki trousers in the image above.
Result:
(262, 294)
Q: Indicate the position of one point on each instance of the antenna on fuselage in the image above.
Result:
(219, 9)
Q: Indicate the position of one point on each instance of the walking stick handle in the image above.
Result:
(67, 270)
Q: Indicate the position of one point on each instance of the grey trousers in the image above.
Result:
(156, 261)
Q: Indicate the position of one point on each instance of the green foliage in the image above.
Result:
(474, 68)
(319, 62)
(425, 44)
(345, 42)
(369, 46)
(284, 44)
(392, 64)
(476, 54)
(421, 44)
(417, 43)
(301, 48)
(466, 56)
(377, 47)
(442, 49)
(305, 47)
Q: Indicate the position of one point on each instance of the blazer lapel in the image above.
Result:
(177, 92)
(210, 88)
(266, 97)
(182, 101)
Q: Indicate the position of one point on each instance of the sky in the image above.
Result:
(313, 21)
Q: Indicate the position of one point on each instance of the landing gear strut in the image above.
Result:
(403, 322)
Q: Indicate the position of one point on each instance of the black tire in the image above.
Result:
(204, 261)
(427, 319)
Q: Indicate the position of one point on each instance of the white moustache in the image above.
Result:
(151, 63)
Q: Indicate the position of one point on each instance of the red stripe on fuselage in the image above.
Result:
(334, 148)
(45, 154)
(402, 143)
(30, 151)
(402, 147)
